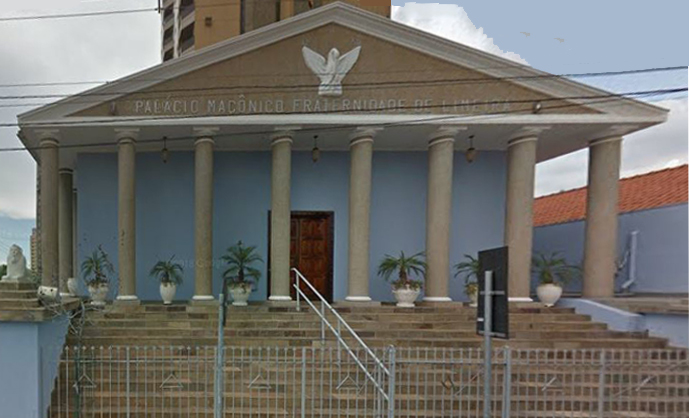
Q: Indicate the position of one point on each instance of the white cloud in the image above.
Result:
(662, 146)
(452, 22)
(55, 50)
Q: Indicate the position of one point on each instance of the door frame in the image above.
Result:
(330, 218)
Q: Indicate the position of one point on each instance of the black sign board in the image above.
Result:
(494, 260)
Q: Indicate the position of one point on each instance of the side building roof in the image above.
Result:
(645, 191)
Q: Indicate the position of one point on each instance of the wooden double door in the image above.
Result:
(311, 251)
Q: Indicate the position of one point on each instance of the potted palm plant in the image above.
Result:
(241, 271)
(169, 274)
(553, 274)
(405, 289)
(95, 270)
(470, 270)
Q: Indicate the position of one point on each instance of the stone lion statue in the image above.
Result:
(16, 266)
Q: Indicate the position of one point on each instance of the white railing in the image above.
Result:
(381, 377)
(121, 381)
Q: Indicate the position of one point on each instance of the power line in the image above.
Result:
(71, 15)
(111, 12)
(329, 128)
(311, 75)
(355, 86)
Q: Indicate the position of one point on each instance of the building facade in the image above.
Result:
(193, 155)
(189, 25)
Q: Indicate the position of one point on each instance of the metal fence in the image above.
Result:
(320, 381)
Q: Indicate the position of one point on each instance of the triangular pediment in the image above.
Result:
(399, 70)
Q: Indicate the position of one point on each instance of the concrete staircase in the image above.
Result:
(265, 375)
(424, 326)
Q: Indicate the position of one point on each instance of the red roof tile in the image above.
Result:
(645, 191)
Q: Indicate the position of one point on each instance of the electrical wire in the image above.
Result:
(350, 86)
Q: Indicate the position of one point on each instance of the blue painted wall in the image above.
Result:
(673, 327)
(662, 247)
(29, 355)
(165, 209)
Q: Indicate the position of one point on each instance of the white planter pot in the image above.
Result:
(73, 286)
(549, 294)
(405, 297)
(240, 295)
(98, 294)
(473, 299)
(167, 292)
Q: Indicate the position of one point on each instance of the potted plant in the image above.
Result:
(405, 289)
(240, 271)
(470, 270)
(553, 274)
(169, 274)
(95, 270)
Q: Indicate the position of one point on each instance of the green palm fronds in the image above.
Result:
(95, 268)
(240, 260)
(554, 269)
(404, 266)
(167, 272)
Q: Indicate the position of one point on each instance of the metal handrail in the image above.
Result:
(338, 332)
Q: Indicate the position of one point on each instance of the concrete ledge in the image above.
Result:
(355, 304)
(617, 319)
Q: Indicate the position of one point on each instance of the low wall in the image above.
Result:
(617, 319)
(674, 327)
(29, 356)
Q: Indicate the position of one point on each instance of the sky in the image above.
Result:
(608, 35)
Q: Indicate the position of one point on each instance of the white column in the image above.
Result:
(519, 197)
(600, 244)
(280, 216)
(438, 214)
(203, 213)
(361, 155)
(49, 161)
(65, 215)
(126, 214)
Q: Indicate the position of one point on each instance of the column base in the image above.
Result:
(437, 299)
(358, 299)
(280, 298)
(127, 300)
(203, 297)
(204, 300)
(520, 299)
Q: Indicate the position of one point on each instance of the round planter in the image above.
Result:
(405, 297)
(240, 295)
(549, 294)
(73, 286)
(98, 294)
(167, 292)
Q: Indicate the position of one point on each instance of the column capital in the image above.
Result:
(281, 136)
(527, 133)
(362, 134)
(283, 132)
(599, 141)
(48, 135)
(444, 134)
(205, 131)
(126, 135)
(202, 139)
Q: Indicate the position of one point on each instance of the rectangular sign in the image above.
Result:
(494, 260)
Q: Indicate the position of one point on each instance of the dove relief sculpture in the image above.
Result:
(332, 71)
